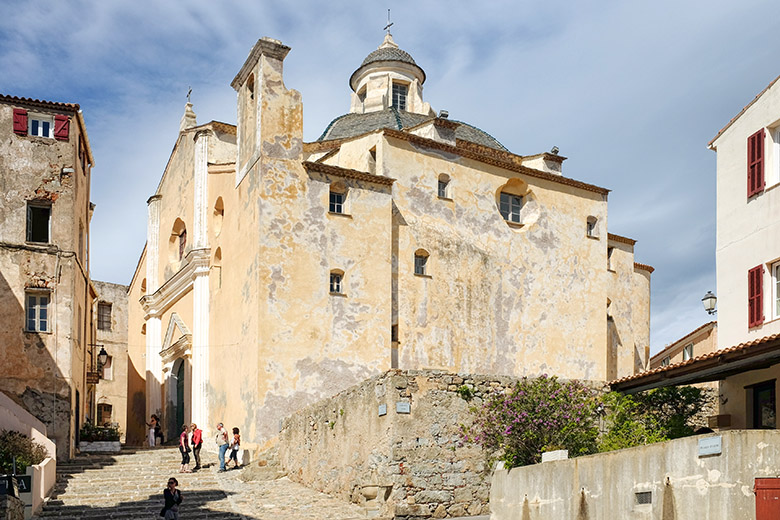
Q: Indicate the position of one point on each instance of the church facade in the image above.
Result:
(277, 272)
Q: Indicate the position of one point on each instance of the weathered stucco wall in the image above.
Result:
(682, 484)
(136, 358)
(113, 391)
(44, 371)
(343, 446)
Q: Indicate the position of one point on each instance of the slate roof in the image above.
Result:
(352, 125)
(388, 54)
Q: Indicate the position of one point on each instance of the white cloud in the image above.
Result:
(630, 92)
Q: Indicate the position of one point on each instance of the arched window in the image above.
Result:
(421, 262)
(337, 198)
(591, 227)
(510, 200)
(177, 244)
(143, 286)
(219, 214)
(143, 329)
(444, 186)
(336, 283)
(250, 86)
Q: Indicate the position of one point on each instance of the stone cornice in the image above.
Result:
(196, 264)
(180, 349)
(491, 157)
(618, 238)
(264, 46)
(347, 173)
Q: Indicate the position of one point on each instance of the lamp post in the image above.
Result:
(709, 302)
(102, 357)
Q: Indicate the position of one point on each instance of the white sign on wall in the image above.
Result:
(710, 446)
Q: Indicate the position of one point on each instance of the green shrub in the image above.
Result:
(653, 416)
(26, 451)
(91, 433)
(536, 415)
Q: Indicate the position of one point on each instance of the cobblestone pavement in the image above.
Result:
(129, 486)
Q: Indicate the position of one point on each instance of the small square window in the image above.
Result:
(510, 206)
(644, 497)
(104, 316)
(335, 283)
(336, 202)
(687, 352)
(41, 126)
(666, 361)
(38, 222)
(37, 311)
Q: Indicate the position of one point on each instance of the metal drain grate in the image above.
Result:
(644, 497)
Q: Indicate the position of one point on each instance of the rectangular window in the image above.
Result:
(40, 125)
(666, 361)
(687, 352)
(335, 283)
(420, 263)
(104, 414)
(108, 370)
(336, 202)
(755, 174)
(37, 311)
(776, 271)
(104, 316)
(399, 96)
(755, 296)
(443, 189)
(510, 206)
(38, 222)
(610, 250)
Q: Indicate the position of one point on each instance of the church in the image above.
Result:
(277, 272)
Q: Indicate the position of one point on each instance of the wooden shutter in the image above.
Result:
(61, 127)
(20, 121)
(755, 296)
(755, 177)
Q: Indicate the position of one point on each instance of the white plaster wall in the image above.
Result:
(748, 230)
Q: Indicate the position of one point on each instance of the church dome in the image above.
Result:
(388, 54)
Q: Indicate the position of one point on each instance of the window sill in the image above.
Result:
(26, 331)
(611, 271)
(423, 275)
(344, 215)
(338, 294)
(448, 199)
(592, 237)
(516, 225)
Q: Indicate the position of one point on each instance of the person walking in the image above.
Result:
(235, 445)
(172, 497)
(222, 443)
(153, 424)
(184, 448)
(197, 443)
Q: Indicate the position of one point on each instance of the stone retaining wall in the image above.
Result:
(397, 464)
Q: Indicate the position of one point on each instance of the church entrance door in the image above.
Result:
(180, 397)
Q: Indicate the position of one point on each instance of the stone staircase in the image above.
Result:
(130, 485)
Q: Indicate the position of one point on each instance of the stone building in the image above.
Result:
(46, 297)
(278, 272)
(111, 397)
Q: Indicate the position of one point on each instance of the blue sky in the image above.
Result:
(630, 92)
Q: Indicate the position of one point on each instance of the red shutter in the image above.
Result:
(61, 127)
(20, 121)
(755, 296)
(755, 177)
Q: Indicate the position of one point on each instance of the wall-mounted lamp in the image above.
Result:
(102, 356)
(709, 302)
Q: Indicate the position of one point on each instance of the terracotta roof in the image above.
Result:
(71, 107)
(676, 343)
(618, 238)
(745, 349)
(347, 173)
(644, 267)
(742, 111)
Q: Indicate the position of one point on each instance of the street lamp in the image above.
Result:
(102, 356)
(709, 301)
